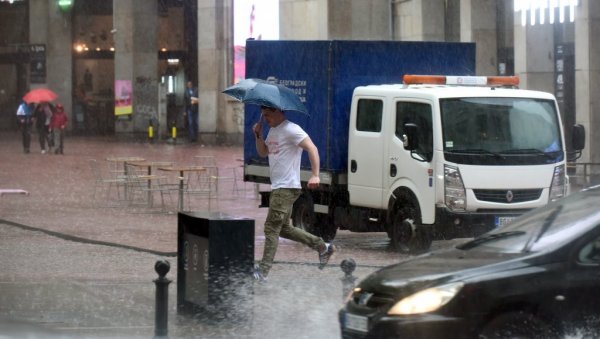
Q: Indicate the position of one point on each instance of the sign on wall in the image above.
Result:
(37, 63)
(123, 97)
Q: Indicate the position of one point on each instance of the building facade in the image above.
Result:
(159, 45)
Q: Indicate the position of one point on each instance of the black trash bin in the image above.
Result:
(215, 259)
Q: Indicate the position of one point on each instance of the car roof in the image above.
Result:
(449, 91)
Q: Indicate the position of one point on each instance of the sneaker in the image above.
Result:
(43, 151)
(326, 255)
(258, 275)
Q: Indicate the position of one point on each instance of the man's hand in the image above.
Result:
(258, 127)
(314, 182)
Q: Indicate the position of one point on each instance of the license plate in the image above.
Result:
(356, 323)
(501, 221)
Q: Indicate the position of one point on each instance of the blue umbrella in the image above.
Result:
(263, 93)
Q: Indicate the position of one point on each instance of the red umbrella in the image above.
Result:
(40, 95)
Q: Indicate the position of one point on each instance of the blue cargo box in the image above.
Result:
(324, 75)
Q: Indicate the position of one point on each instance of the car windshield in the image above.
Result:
(546, 227)
(503, 131)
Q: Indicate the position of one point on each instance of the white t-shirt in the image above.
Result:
(285, 154)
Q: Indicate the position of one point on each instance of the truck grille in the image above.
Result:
(508, 196)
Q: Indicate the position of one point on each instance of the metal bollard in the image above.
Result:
(161, 326)
(151, 131)
(348, 266)
(174, 133)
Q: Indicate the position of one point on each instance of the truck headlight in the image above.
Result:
(428, 300)
(454, 196)
(557, 187)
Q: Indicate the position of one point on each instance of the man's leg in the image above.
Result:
(195, 125)
(288, 231)
(190, 121)
(280, 205)
(61, 136)
(42, 139)
(27, 136)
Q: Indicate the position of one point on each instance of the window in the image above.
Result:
(170, 81)
(368, 115)
(523, 130)
(590, 253)
(420, 115)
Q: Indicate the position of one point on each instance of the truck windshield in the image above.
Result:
(501, 131)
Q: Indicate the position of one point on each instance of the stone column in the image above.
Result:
(306, 19)
(335, 19)
(50, 26)
(215, 60)
(534, 55)
(478, 25)
(136, 60)
(587, 75)
(419, 20)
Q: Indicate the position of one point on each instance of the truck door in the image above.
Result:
(413, 170)
(366, 152)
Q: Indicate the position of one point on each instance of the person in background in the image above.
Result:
(284, 145)
(58, 123)
(42, 117)
(191, 110)
(24, 116)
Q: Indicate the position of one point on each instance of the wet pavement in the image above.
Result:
(74, 268)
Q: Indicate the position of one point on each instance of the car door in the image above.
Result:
(413, 169)
(582, 293)
(366, 151)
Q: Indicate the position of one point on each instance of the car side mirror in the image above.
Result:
(578, 134)
(409, 138)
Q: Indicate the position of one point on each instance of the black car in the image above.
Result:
(538, 277)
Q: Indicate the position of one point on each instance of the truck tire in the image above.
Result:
(325, 227)
(304, 217)
(407, 233)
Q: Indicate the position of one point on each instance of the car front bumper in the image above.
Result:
(420, 326)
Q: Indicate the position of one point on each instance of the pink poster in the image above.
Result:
(123, 97)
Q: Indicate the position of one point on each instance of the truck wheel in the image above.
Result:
(303, 215)
(407, 235)
(325, 226)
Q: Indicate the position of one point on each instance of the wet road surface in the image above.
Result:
(74, 268)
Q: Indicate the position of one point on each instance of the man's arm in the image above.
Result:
(261, 145)
(315, 162)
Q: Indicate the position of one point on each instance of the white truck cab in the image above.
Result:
(454, 156)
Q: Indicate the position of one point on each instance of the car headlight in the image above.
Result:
(454, 188)
(427, 300)
(557, 187)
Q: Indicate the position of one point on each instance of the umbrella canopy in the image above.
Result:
(40, 95)
(260, 92)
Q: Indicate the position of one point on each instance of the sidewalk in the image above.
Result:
(72, 270)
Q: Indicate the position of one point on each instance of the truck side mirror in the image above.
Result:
(409, 138)
(578, 134)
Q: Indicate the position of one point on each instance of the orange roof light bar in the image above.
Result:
(412, 79)
(504, 80)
